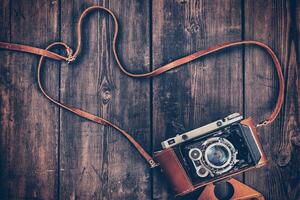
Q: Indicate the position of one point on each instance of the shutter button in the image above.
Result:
(184, 137)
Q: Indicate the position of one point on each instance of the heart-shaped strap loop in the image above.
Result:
(174, 64)
(85, 114)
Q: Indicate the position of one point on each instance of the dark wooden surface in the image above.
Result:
(48, 153)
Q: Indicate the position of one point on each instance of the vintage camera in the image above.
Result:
(210, 153)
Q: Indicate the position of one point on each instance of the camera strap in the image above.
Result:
(70, 56)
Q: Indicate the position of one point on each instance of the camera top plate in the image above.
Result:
(178, 139)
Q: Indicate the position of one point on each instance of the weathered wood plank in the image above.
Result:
(292, 107)
(97, 162)
(5, 85)
(269, 22)
(81, 149)
(289, 163)
(202, 91)
(29, 124)
(80, 140)
(128, 173)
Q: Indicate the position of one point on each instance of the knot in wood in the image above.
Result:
(296, 140)
(193, 28)
(283, 158)
(106, 95)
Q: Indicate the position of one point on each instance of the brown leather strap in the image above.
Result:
(37, 51)
(186, 59)
(156, 72)
(87, 115)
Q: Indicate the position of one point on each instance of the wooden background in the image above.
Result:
(48, 153)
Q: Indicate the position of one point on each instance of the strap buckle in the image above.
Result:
(263, 123)
(70, 57)
(153, 164)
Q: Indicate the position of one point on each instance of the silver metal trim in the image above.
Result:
(201, 131)
(231, 161)
(202, 175)
(211, 164)
(193, 149)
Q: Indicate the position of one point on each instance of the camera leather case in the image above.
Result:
(177, 167)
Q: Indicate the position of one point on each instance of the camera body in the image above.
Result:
(211, 153)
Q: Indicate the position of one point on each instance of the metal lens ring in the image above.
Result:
(195, 154)
(202, 172)
(219, 154)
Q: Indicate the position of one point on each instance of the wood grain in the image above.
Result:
(202, 91)
(48, 153)
(29, 124)
(272, 26)
(128, 175)
(96, 161)
(81, 141)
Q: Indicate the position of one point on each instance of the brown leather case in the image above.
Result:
(178, 177)
(174, 171)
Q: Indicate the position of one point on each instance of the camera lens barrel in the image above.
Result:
(218, 155)
(215, 156)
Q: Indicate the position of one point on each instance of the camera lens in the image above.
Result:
(220, 155)
(217, 155)
(195, 154)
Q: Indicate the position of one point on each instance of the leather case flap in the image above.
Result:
(174, 171)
